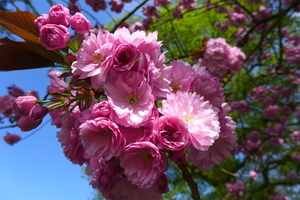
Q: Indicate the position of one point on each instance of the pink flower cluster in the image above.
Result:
(236, 188)
(53, 27)
(221, 59)
(124, 112)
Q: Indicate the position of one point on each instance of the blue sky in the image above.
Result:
(35, 168)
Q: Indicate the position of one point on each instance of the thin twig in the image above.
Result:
(127, 16)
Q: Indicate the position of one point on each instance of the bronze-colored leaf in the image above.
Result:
(20, 23)
(26, 55)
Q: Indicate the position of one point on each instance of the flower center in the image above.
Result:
(147, 156)
(132, 99)
(175, 87)
(188, 118)
(98, 57)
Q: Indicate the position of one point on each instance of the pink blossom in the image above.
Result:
(97, 5)
(143, 163)
(198, 114)
(150, 11)
(241, 106)
(236, 19)
(38, 112)
(141, 133)
(208, 86)
(54, 36)
(102, 138)
(162, 2)
(293, 54)
(215, 155)
(292, 176)
(136, 26)
(252, 141)
(178, 12)
(11, 139)
(6, 105)
(26, 123)
(253, 175)
(131, 99)
(23, 104)
(58, 84)
(80, 24)
(73, 8)
(69, 139)
(278, 196)
(295, 135)
(124, 58)
(59, 15)
(236, 59)
(124, 189)
(236, 188)
(271, 112)
(102, 109)
(116, 6)
(181, 76)
(170, 133)
(41, 20)
(188, 4)
(16, 91)
(94, 58)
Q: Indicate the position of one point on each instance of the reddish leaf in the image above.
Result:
(20, 23)
(26, 55)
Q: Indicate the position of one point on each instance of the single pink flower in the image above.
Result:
(102, 138)
(59, 15)
(11, 138)
(116, 6)
(58, 83)
(6, 105)
(80, 24)
(54, 36)
(124, 58)
(253, 175)
(69, 139)
(181, 76)
(143, 163)
(94, 58)
(25, 123)
(41, 20)
(23, 104)
(236, 188)
(38, 112)
(200, 117)
(215, 155)
(170, 133)
(131, 99)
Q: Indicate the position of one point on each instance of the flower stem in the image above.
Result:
(190, 181)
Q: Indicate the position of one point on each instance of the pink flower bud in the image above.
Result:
(12, 138)
(59, 15)
(24, 104)
(54, 36)
(41, 20)
(38, 112)
(253, 175)
(25, 123)
(80, 24)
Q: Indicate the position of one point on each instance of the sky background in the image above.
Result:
(36, 168)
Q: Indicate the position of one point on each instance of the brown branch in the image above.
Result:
(190, 181)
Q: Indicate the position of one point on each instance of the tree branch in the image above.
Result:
(190, 181)
(127, 16)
